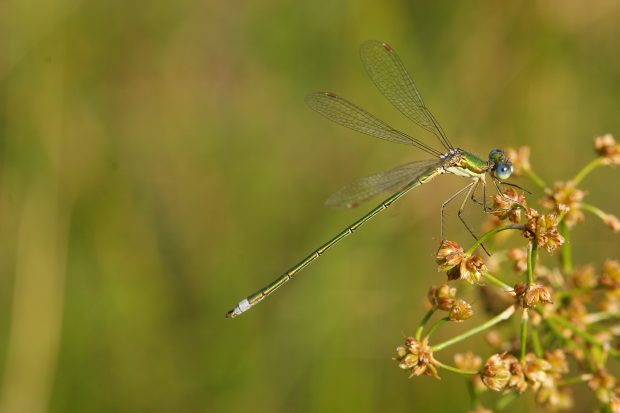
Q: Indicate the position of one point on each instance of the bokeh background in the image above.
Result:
(159, 164)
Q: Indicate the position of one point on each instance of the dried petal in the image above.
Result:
(607, 148)
(461, 310)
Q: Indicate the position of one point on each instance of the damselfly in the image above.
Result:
(390, 76)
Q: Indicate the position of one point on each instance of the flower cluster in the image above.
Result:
(566, 331)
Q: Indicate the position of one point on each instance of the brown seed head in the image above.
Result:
(610, 277)
(519, 256)
(537, 371)
(470, 270)
(567, 194)
(449, 255)
(509, 205)
(417, 357)
(602, 384)
(461, 310)
(557, 360)
(496, 372)
(467, 361)
(543, 230)
(612, 222)
(442, 297)
(520, 159)
(529, 296)
(583, 277)
(607, 148)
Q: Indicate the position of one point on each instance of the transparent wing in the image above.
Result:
(347, 114)
(388, 181)
(392, 79)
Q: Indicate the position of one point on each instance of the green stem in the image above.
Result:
(565, 251)
(532, 249)
(436, 325)
(587, 169)
(496, 281)
(504, 315)
(595, 211)
(536, 343)
(489, 234)
(537, 180)
(427, 316)
(583, 334)
(523, 337)
(575, 380)
(456, 370)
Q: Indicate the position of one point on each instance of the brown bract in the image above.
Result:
(496, 371)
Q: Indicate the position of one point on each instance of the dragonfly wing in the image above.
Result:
(393, 180)
(347, 114)
(390, 76)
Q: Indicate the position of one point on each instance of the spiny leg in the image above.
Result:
(460, 212)
(446, 202)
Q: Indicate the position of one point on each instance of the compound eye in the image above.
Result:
(503, 171)
(496, 154)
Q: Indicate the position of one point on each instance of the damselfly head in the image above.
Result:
(500, 166)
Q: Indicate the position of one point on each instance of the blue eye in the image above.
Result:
(503, 171)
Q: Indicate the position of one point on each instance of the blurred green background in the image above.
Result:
(159, 164)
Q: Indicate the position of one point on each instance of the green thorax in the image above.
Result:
(463, 163)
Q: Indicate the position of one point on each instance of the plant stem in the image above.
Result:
(436, 325)
(536, 343)
(427, 316)
(565, 251)
(575, 380)
(594, 210)
(489, 234)
(524, 319)
(583, 334)
(587, 169)
(457, 370)
(504, 315)
(535, 178)
(532, 249)
(496, 281)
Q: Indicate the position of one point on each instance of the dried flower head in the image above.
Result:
(583, 277)
(518, 380)
(442, 297)
(496, 372)
(565, 193)
(555, 398)
(610, 277)
(509, 205)
(449, 255)
(612, 222)
(537, 371)
(529, 296)
(417, 357)
(471, 269)
(607, 148)
(543, 229)
(610, 302)
(467, 361)
(557, 360)
(602, 384)
(519, 257)
(520, 159)
(461, 310)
